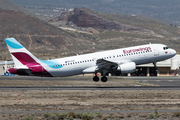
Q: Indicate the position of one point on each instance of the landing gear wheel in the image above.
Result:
(104, 79)
(95, 78)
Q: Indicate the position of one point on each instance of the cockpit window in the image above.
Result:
(165, 48)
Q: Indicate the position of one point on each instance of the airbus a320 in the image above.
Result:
(122, 60)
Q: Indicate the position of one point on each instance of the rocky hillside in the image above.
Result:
(38, 36)
(83, 31)
(85, 18)
(116, 30)
(9, 5)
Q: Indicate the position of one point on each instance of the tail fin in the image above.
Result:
(25, 62)
(21, 56)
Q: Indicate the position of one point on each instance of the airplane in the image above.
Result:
(123, 60)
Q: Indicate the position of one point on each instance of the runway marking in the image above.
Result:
(158, 80)
(171, 80)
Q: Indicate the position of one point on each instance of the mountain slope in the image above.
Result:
(45, 40)
(37, 36)
(128, 30)
(85, 18)
(9, 5)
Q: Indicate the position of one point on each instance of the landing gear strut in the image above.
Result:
(155, 66)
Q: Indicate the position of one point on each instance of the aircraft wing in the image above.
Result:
(105, 64)
(109, 65)
(100, 65)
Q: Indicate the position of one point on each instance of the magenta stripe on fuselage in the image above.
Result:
(36, 68)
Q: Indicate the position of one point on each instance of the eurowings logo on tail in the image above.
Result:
(30, 64)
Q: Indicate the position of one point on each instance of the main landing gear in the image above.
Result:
(104, 79)
(96, 78)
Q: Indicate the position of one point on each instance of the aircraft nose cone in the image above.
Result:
(173, 52)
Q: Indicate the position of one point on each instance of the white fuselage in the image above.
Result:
(139, 55)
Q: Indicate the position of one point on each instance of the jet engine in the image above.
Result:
(127, 67)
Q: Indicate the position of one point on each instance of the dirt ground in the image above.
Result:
(87, 100)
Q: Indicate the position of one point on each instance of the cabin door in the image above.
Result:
(156, 51)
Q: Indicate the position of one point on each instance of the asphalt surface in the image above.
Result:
(41, 78)
(95, 88)
(165, 83)
(162, 81)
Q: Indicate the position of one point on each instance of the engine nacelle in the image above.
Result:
(127, 67)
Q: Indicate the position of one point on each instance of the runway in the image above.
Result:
(164, 83)
(41, 78)
(95, 88)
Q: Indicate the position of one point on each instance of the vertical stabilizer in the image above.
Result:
(25, 62)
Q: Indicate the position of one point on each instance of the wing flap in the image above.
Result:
(105, 64)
